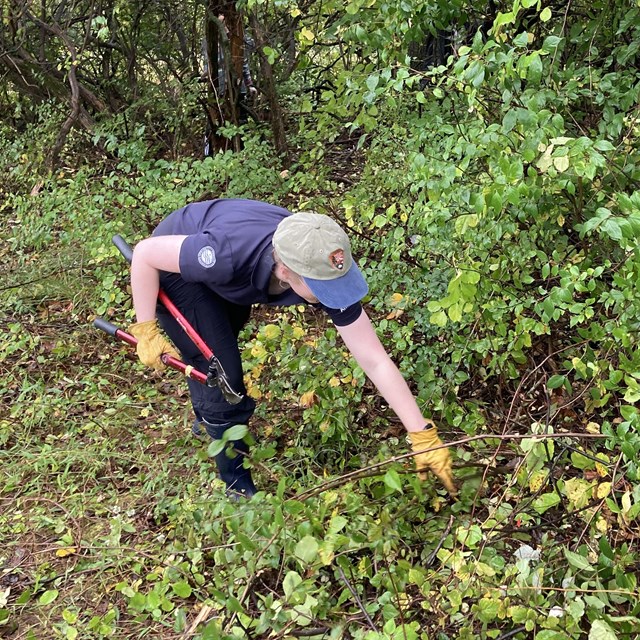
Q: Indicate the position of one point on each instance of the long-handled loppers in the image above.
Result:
(215, 376)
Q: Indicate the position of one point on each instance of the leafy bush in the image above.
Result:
(493, 207)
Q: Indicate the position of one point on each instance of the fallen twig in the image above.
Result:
(356, 597)
(375, 469)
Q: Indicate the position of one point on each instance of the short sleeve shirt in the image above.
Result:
(228, 248)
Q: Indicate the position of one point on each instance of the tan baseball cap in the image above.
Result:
(315, 247)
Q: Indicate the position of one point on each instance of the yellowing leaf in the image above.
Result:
(537, 480)
(308, 399)
(334, 382)
(254, 392)
(306, 34)
(578, 491)
(326, 552)
(298, 332)
(395, 299)
(271, 331)
(258, 351)
(66, 551)
(592, 427)
(561, 163)
(603, 490)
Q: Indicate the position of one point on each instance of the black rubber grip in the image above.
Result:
(106, 326)
(123, 247)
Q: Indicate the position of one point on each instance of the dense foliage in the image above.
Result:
(486, 161)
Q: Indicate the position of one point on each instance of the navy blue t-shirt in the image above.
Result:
(228, 248)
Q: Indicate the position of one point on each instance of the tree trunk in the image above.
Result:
(224, 46)
(268, 86)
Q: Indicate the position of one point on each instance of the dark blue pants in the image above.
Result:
(218, 322)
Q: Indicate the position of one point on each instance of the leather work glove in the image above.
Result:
(438, 461)
(151, 344)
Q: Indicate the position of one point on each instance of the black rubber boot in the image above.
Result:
(235, 476)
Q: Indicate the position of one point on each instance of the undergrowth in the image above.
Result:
(496, 220)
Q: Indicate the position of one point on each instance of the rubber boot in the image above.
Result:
(235, 476)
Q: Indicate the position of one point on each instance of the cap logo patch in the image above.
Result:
(336, 258)
(207, 257)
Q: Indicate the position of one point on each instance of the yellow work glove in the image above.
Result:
(438, 461)
(151, 344)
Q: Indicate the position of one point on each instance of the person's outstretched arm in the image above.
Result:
(365, 346)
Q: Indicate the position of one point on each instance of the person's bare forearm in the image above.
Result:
(145, 283)
(363, 343)
(394, 389)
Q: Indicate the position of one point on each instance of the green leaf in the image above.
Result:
(307, 549)
(503, 18)
(628, 412)
(439, 319)
(337, 523)
(509, 120)
(237, 432)
(534, 67)
(48, 597)
(372, 81)
(611, 226)
(216, 447)
(603, 145)
(290, 583)
(577, 561)
(181, 589)
(392, 480)
(545, 502)
(550, 43)
(521, 40)
(600, 630)
(556, 381)
(455, 312)
(469, 536)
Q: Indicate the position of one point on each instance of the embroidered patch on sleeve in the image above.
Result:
(207, 257)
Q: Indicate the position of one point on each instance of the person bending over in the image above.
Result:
(216, 259)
